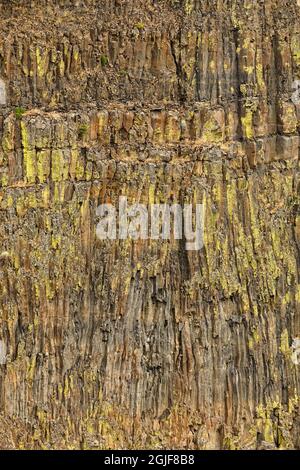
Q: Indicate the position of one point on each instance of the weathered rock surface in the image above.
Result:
(134, 344)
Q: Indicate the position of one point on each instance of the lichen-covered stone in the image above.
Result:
(142, 344)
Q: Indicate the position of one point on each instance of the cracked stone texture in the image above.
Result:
(142, 344)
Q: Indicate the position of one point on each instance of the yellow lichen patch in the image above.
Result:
(247, 123)
(172, 129)
(213, 127)
(55, 241)
(41, 61)
(103, 131)
(59, 168)
(260, 76)
(284, 343)
(189, 6)
(297, 295)
(152, 192)
(288, 118)
(295, 46)
(29, 155)
(49, 289)
(31, 368)
(8, 136)
(43, 165)
(46, 196)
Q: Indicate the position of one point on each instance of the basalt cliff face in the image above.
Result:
(143, 344)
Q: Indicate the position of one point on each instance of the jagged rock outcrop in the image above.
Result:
(134, 344)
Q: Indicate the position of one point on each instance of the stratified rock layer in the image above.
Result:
(134, 344)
